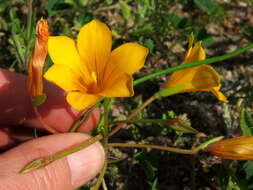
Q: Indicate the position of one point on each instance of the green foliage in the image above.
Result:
(246, 123)
(125, 10)
(149, 165)
(248, 32)
(210, 7)
(245, 175)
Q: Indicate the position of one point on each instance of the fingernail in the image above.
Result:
(85, 164)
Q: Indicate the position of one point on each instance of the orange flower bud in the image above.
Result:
(37, 60)
(238, 148)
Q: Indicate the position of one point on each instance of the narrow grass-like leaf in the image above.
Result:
(246, 123)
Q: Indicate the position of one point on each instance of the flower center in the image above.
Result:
(93, 86)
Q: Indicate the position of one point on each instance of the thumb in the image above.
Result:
(64, 174)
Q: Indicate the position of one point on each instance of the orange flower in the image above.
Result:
(238, 148)
(37, 60)
(88, 70)
(200, 78)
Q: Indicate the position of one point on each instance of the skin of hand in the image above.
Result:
(16, 110)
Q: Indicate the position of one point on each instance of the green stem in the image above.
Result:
(82, 118)
(132, 115)
(44, 161)
(45, 126)
(194, 64)
(29, 28)
(107, 106)
(100, 177)
(18, 47)
(170, 149)
(105, 130)
(141, 121)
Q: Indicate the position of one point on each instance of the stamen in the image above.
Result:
(94, 77)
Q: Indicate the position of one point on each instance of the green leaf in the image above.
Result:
(4, 4)
(223, 177)
(206, 5)
(149, 44)
(246, 123)
(148, 163)
(154, 184)
(244, 175)
(248, 169)
(50, 5)
(125, 10)
(248, 32)
(39, 100)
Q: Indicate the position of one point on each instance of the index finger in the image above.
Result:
(16, 108)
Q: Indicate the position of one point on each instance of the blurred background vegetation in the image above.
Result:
(163, 26)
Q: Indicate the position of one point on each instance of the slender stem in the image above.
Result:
(100, 177)
(132, 115)
(44, 161)
(194, 64)
(141, 121)
(105, 129)
(170, 149)
(77, 148)
(18, 47)
(107, 105)
(104, 185)
(29, 28)
(45, 126)
(29, 19)
(35, 133)
(82, 118)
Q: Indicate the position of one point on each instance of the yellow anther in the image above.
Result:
(94, 77)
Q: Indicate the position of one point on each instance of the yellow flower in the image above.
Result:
(238, 148)
(200, 78)
(88, 70)
(37, 60)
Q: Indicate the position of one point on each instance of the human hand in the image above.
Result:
(16, 110)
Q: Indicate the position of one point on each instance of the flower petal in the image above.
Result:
(216, 91)
(205, 77)
(94, 43)
(129, 57)
(195, 79)
(119, 87)
(81, 101)
(64, 77)
(62, 51)
(195, 53)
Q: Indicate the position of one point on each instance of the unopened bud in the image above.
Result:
(36, 62)
(238, 148)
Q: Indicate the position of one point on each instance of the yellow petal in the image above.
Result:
(216, 91)
(94, 43)
(119, 87)
(195, 79)
(62, 51)
(129, 57)
(65, 78)
(196, 53)
(205, 77)
(81, 101)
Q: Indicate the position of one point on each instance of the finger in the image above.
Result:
(16, 108)
(5, 138)
(67, 173)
